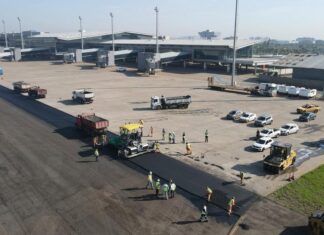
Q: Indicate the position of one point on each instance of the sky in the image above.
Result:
(278, 19)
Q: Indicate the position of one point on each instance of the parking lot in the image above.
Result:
(125, 97)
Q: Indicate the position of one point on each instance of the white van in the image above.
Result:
(282, 89)
(293, 91)
(307, 93)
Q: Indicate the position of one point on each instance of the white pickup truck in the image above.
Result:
(83, 96)
(269, 132)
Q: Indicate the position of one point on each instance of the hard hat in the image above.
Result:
(205, 207)
(158, 180)
(150, 172)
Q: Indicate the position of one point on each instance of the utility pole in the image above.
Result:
(5, 32)
(234, 46)
(81, 31)
(112, 31)
(21, 34)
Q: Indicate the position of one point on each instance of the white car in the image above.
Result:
(262, 144)
(248, 117)
(121, 69)
(289, 128)
(269, 132)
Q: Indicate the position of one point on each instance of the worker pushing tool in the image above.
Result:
(149, 184)
(204, 215)
(209, 193)
(231, 205)
(165, 189)
(206, 136)
(157, 187)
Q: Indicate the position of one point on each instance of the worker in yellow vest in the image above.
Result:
(209, 193)
(188, 148)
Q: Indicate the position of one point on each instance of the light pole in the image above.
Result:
(234, 46)
(157, 29)
(81, 31)
(21, 34)
(112, 31)
(5, 32)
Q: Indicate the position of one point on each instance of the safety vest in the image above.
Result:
(149, 178)
(209, 190)
(173, 187)
(231, 202)
(157, 185)
(96, 153)
(165, 188)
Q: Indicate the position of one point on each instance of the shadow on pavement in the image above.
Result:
(68, 102)
(186, 222)
(255, 168)
(299, 230)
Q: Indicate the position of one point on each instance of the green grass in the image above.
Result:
(305, 194)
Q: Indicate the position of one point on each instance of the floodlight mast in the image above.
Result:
(234, 46)
(81, 31)
(21, 34)
(5, 32)
(112, 31)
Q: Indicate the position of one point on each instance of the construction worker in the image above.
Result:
(170, 137)
(172, 189)
(157, 187)
(188, 148)
(151, 131)
(163, 134)
(241, 177)
(203, 215)
(209, 193)
(157, 147)
(231, 204)
(96, 153)
(149, 184)
(206, 136)
(183, 137)
(257, 134)
(165, 189)
(173, 137)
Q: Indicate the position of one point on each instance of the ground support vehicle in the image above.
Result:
(177, 102)
(21, 87)
(83, 96)
(37, 92)
(129, 143)
(281, 157)
(308, 108)
(91, 124)
(316, 223)
(68, 58)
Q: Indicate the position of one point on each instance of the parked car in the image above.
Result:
(308, 108)
(289, 128)
(234, 115)
(269, 132)
(306, 117)
(263, 120)
(121, 69)
(262, 144)
(247, 117)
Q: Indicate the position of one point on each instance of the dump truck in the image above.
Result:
(21, 87)
(129, 143)
(37, 92)
(281, 157)
(177, 102)
(316, 223)
(91, 124)
(83, 96)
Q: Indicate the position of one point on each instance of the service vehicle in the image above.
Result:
(307, 93)
(37, 92)
(281, 157)
(68, 58)
(176, 102)
(316, 223)
(234, 115)
(129, 143)
(83, 96)
(282, 90)
(308, 108)
(21, 86)
(289, 128)
(91, 124)
(306, 117)
(247, 117)
(262, 144)
(269, 132)
(263, 120)
(267, 89)
(293, 91)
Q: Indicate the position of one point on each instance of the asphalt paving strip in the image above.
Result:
(190, 180)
